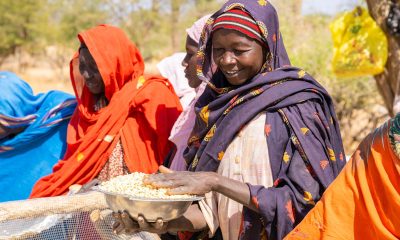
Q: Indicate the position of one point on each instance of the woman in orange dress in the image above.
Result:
(364, 200)
(123, 119)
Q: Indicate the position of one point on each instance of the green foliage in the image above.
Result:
(309, 45)
(156, 26)
(20, 23)
(69, 17)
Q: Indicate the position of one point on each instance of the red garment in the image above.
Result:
(141, 112)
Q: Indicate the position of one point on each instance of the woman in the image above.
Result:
(171, 68)
(123, 118)
(266, 135)
(364, 200)
(32, 134)
(184, 124)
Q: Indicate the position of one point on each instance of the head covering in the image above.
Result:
(194, 32)
(18, 104)
(172, 69)
(301, 127)
(132, 116)
(30, 154)
(267, 21)
(238, 20)
(184, 124)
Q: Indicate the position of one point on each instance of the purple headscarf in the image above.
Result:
(301, 129)
(195, 30)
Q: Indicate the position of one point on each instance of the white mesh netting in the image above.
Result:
(80, 216)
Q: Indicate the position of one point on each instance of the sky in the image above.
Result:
(328, 7)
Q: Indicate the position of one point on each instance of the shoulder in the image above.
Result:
(157, 83)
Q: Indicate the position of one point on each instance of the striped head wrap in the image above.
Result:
(239, 20)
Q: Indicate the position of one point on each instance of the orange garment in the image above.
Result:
(141, 112)
(364, 201)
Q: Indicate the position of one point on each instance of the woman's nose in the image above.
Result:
(185, 61)
(87, 75)
(228, 58)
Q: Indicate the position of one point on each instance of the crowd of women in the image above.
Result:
(260, 138)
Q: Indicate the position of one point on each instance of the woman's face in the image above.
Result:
(90, 72)
(189, 62)
(237, 56)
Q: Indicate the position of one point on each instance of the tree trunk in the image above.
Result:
(175, 7)
(388, 82)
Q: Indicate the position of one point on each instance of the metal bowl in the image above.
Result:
(150, 209)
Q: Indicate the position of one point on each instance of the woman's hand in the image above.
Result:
(183, 182)
(192, 220)
(125, 224)
(200, 183)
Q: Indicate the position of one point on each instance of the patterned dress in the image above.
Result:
(115, 166)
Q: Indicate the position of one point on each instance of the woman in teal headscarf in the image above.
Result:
(32, 134)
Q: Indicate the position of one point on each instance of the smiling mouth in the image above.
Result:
(231, 73)
(91, 83)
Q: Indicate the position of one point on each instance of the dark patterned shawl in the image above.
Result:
(302, 132)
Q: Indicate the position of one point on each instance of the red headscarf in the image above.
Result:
(140, 113)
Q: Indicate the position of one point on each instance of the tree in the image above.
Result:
(19, 21)
(309, 45)
(388, 82)
(175, 13)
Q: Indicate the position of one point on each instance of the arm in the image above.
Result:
(192, 221)
(200, 183)
(235, 190)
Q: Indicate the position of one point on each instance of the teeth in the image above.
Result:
(231, 72)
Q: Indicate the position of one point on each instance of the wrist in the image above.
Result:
(214, 181)
(174, 226)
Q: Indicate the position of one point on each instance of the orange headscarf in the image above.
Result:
(140, 113)
(364, 200)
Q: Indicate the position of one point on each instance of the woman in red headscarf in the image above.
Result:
(123, 119)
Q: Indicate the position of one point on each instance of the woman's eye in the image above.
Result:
(81, 68)
(218, 50)
(239, 51)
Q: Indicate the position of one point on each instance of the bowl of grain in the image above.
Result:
(128, 193)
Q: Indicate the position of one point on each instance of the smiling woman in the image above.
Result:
(266, 141)
(238, 56)
(91, 75)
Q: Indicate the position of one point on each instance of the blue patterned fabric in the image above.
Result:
(31, 154)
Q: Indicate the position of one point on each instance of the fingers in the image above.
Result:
(143, 224)
(160, 178)
(124, 223)
(130, 225)
(163, 169)
(159, 224)
(118, 226)
(180, 190)
(167, 184)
